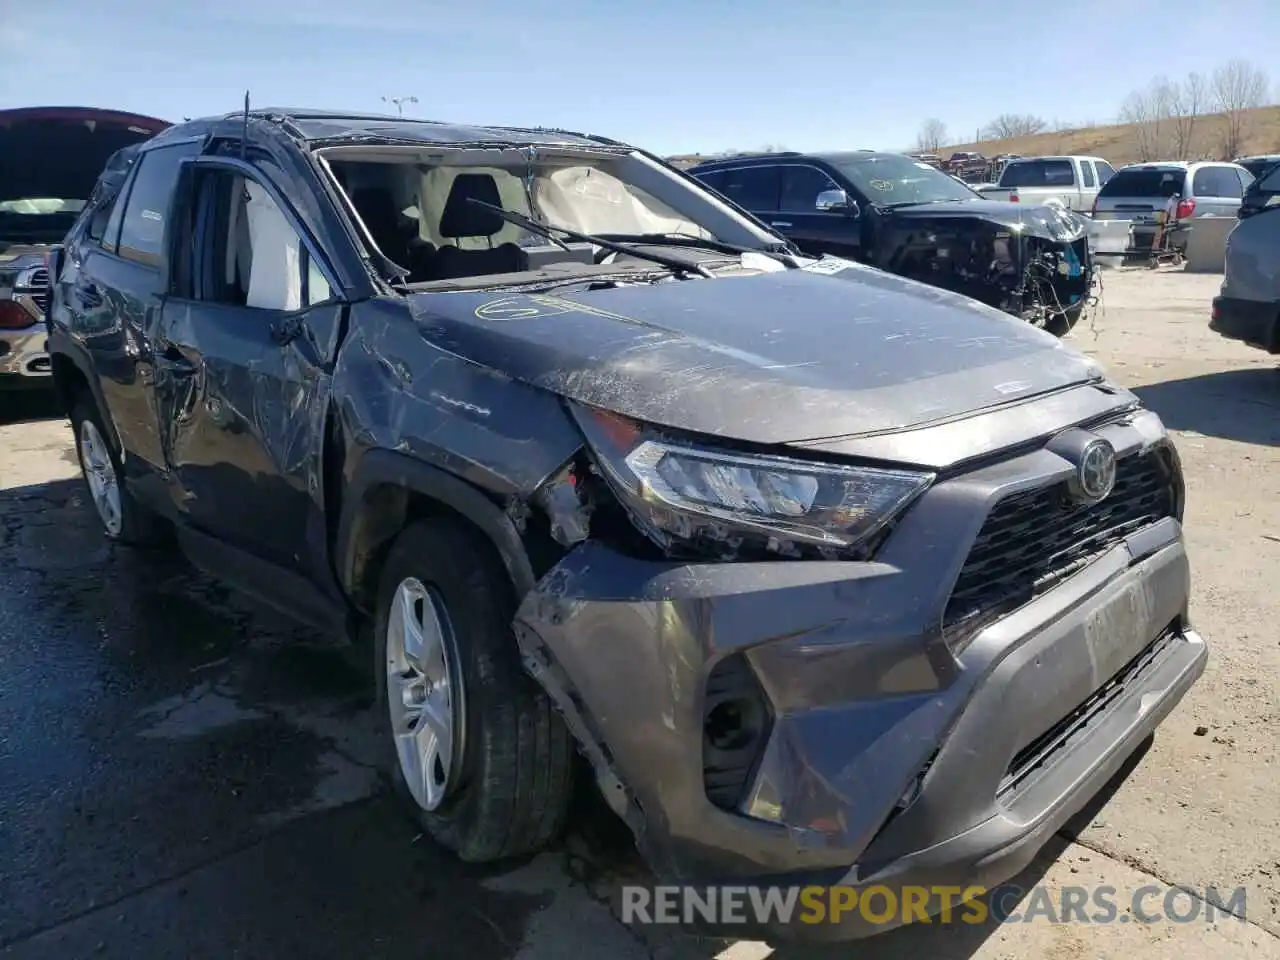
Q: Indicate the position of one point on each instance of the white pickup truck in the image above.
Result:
(1072, 181)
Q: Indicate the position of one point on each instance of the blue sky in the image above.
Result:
(671, 76)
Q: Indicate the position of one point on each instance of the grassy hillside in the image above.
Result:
(1118, 143)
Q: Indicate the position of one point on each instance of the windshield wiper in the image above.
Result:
(779, 252)
(548, 231)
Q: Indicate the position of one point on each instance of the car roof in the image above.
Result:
(314, 125)
(832, 156)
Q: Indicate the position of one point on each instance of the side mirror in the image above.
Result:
(836, 201)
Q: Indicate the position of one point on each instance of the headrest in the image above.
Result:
(463, 219)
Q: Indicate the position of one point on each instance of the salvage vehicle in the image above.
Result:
(1247, 307)
(1255, 165)
(50, 158)
(829, 576)
(1262, 193)
(1141, 192)
(903, 216)
(1072, 181)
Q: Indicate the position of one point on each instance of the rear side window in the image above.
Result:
(1086, 171)
(755, 188)
(1039, 173)
(1216, 182)
(142, 227)
(1146, 183)
(99, 219)
(715, 179)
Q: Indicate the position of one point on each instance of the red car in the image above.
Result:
(50, 158)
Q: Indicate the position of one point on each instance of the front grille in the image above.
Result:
(40, 281)
(38, 288)
(1031, 541)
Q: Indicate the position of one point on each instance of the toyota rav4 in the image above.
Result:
(830, 576)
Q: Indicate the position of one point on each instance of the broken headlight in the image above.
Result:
(677, 492)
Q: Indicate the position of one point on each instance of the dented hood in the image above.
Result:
(1033, 221)
(771, 358)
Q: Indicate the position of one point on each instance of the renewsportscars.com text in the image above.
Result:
(939, 904)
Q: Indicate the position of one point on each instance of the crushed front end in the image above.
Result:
(918, 691)
(1033, 263)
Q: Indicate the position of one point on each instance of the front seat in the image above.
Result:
(377, 208)
(464, 219)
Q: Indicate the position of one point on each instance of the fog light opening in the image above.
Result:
(733, 724)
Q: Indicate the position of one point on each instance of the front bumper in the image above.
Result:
(1249, 321)
(890, 760)
(24, 358)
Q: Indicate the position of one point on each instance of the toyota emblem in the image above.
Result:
(1096, 473)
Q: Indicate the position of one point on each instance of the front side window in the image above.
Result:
(252, 254)
(801, 186)
(149, 199)
(1105, 170)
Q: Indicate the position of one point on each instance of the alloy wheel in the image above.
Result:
(100, 474)
(424, 692)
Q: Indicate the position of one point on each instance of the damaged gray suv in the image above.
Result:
(831, 576)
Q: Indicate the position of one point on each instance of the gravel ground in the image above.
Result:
(185, 775)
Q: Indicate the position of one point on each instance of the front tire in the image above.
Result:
(472, 743)
(123, 518)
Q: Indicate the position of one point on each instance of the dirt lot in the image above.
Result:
(184, 775)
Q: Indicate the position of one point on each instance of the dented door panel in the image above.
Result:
(243, 426)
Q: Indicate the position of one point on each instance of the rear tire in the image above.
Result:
(122, 517)
(501, 784)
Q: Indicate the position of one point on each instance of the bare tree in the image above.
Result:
(1189, 99)
(1150, 112)
(1009, 125)
(1238, 87)
(933, 134)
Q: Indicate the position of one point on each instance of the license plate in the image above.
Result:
(1116, 632)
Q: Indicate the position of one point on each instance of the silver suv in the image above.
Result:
(1139, 191)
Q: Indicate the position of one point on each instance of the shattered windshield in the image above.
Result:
(617, 194)
(890, 180)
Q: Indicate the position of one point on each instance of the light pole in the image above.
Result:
(400, 102)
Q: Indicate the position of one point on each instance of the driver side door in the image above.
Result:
(816, 231)
(243, 355)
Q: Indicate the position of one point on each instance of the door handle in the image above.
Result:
(780, 223)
